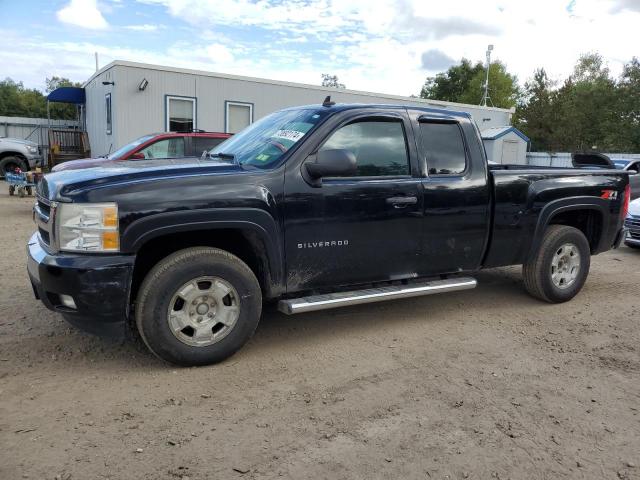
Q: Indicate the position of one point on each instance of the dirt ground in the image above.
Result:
(488, 383)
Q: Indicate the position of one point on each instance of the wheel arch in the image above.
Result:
(587, 214)
(251, 236)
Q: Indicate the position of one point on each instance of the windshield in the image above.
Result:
(263, 143)
(129, 146)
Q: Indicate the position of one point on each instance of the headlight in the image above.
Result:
(32, 149)
(89, 227)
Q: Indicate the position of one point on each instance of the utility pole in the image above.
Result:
(96, 53)
(486, 97)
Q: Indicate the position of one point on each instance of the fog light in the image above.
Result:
(67, 301)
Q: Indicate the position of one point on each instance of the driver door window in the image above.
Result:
(379, 146)
(167, 148)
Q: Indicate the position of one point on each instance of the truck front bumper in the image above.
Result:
(90, 291)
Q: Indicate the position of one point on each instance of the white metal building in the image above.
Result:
(505, 144)
(125, 100)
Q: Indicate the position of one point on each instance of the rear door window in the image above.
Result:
(444, 148)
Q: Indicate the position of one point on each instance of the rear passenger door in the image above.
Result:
(456, 194)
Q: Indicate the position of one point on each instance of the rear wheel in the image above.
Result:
(198, 306)
(12, 189)
(558, 270)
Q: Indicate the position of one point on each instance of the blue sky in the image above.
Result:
(376, 45)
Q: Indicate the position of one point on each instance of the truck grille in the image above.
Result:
(633, 224)
(42, 218)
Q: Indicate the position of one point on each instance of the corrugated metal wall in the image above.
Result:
(33, 129)
(136, 113)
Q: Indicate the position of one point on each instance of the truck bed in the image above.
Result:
(525, 194)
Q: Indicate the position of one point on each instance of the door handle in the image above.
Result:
(401, 202)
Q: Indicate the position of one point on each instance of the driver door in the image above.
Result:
(363, 228)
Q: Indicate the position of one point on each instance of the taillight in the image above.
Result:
(625, 202)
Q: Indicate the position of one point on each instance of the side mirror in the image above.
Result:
(137, 156)
(332, 163)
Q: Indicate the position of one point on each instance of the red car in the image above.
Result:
(155, 145)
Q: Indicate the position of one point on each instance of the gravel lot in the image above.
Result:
(488, 383)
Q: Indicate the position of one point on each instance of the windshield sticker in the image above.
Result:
(263, 157)
(291, 135)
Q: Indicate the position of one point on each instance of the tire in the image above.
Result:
(12, 190)
(9, 164)
(172, 294)
(29, 190)
(539, 272)
(21, 192)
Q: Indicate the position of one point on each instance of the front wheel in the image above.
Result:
(559, 268)
(198, 306)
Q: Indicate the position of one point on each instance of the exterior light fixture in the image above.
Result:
(143, 84)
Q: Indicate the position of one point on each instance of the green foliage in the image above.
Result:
(464, 83)
(18, 101)
(590, 110)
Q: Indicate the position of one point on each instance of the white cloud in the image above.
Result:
(82, 13)
(371, 45)
(146, 27)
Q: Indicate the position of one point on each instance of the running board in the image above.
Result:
(370, 295)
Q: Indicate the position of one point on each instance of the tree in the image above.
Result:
(17, 101)
(331, 81)
(586, 106)
(449, 86)
(627, 132)
(535, 114)
(589, 110)
(464, 83)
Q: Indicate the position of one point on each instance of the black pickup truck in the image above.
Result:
(312, 207)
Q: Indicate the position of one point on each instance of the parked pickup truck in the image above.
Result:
(312, 207)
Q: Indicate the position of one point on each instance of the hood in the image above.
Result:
(80, 163)
(57, 185)
(18, 141)
(634, 208)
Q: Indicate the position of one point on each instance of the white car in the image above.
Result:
(632, 222)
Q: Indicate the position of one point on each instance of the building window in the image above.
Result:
(444, 148)
(379, 146)
(238, 115)
(181, 114)
(107, 108)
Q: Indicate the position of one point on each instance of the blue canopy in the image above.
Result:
(67, 95)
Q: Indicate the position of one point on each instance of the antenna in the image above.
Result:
(327, 102)
(485, 96)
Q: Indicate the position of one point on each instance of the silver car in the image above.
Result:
(17, 153)
(632, 222)
(633, 167)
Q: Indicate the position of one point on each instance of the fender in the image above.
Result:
(555, 207)
(259, 221)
